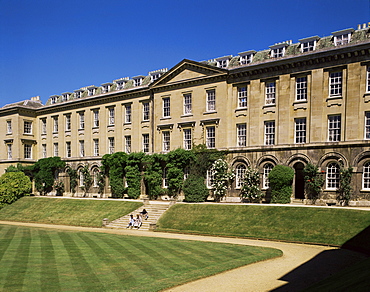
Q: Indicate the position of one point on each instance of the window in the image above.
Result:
(366, 176)
(166, 107)
(334, 126)
(368, 79)
(308, 46)
(210, 178)
(91, 91)
(223, 63)
(111, 145)
(138, 81)
(27, 151)
(342, 39)
(367, 125)
(82, 120)
(246, 59)
(270, 93)
(145, 143)
(211, 137)
(332, 176)
(82, 148)
(300, 130)
(154, 77)
(278, 52)
(43, 146)
(9, 128)
(78, 93)
(301, 88)
(241, 132)
(164, 179)
(96, 118)
(65, 96)
(128, 144)
(68, 122)
(187, 104)
(53, 99)
(55, 125)
(128, 113)
(120, 85)
(43, 126)
(270, 133)
(166, 141)
(111, 116)
(240, 170)
(56, 149)
(27, 127)
(265, 178)
(68, 149)
(146, 111)
(335, 84)
(9, 148)
(95, 178)
(188, 141)
(186, 172)
(96, 147)
(242, 97)
(211, 100)
(82, 178)
(105, 88)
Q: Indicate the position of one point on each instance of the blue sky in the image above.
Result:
(53, 46)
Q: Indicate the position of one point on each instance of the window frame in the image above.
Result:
(68, 149)
(56, 149)
(27, 127)
(166, 107)
(242, 92)
(166, 141)
(95, 147)
(211, 137)
(334, 128)
(266, 169)
(300, 130)
(81, 116)
(241, 135)
(27, 151)
(146, 111)
(128, 114)
(145, 143)
(211, 100)
(128, 144)
(9, 150)
(111, 145)
(68, 122)
(367, 126)
(335, 84)
(240, 171)
(269, 133)
(111, 116)
(270, 93)
(365, 178)
(188, 138)
(332, 176)
(82, 148)
(187, 103)
(96, 118)
(301, 86)
(9, 127)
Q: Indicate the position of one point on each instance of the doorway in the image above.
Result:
(299, 181)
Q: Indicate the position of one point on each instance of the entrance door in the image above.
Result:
(299, 181)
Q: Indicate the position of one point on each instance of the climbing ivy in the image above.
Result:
(221, 178)
(153, 175)
(87, 179)
(72, 173)
(113, 165)
(345, 190)
(133, 174)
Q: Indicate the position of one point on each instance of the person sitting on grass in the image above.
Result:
(131, 221)
(145, 214)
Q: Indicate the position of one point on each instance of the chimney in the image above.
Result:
(35, 98)
(358, 26)
(364, 25)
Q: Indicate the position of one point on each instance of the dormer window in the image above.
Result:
(120, 85)
(106, 87)
(78, 93)
(91, 91)
(308, 44)
(223, 62)
(342, 37)
(155, 76)
(138, 80)
(65, 96)
(246, 57)
(54, 99)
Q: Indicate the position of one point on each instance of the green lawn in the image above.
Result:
(78, 212)
(36, 259)
(333, 226)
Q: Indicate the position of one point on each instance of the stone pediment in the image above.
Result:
(188, 70)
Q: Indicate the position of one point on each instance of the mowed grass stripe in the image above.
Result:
(85, 274)
(16, 273)
(50, 277)
(7, 239)
(118, 268)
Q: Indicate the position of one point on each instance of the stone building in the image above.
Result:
(292, 104)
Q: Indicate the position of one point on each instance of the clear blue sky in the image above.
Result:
(52, 46)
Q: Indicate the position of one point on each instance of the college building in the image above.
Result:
(291, 104)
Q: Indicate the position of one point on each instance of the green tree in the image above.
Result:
(281, 179)
(153, 174)
(13, 185)
(344, 191)
(87, 182)
(133, 174)
(314, 182)
(113, 165)
(251, 185)
(195, 189)
(72, 173)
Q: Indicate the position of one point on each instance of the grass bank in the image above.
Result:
(36, 259)
(78, 212)
(331, 226)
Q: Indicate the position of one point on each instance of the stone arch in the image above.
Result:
(240, 159)
(298, 158)
(298, 162)
(331, 157)
(360, 159)
(265, 159)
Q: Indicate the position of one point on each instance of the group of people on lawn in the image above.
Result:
(138, 221)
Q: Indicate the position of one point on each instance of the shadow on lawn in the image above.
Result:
(328, 263)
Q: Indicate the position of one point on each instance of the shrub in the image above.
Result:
(281, 179)
(345, 190)
(113, 165)
(221, 179)
(251, 185)
(195, 189)
(313, 182)
(13, 185)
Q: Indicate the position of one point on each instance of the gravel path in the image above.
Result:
(299, 267)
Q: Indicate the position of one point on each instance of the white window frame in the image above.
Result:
(265, 177)
(27, 127)
(43, 126)
(111, 146)
(96, 118)
(128, 143)
(334, 128)
(366, 176)
(246, 59)
(332, 176)
(240, 171)
(55, 125)
(91, 91)
(187, 104)
(68, 149)
(308, 46)
(68, 122)
(211, 137)
(43, 154)
(9, 129)
(335, 84)
(211, 100)
(56, 149)
(367, 126)
(270, 93)
(242, 96)
(164, 179)
(145, 145)
(342, 39)
(81, 120)
(188, 140)
(166, 141)
(96, 147)
(278, 52)
(128, 113)
(27, 151)
(241, 134)
(111, 116)
(368, 79)
(301, 88)
(138, 81)
(81, 178)
(223, 63)
(9, 149)
(210, 178)
(269, 135)
(166, 107)
(82, 148)
(95, 177)
(300, 130)
(146, 111)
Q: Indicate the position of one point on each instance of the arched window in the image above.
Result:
(366, 176)
(239, 175)
(210, 178)
(81, 178)
(95, 177)
(332, 176)
(266, 171)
